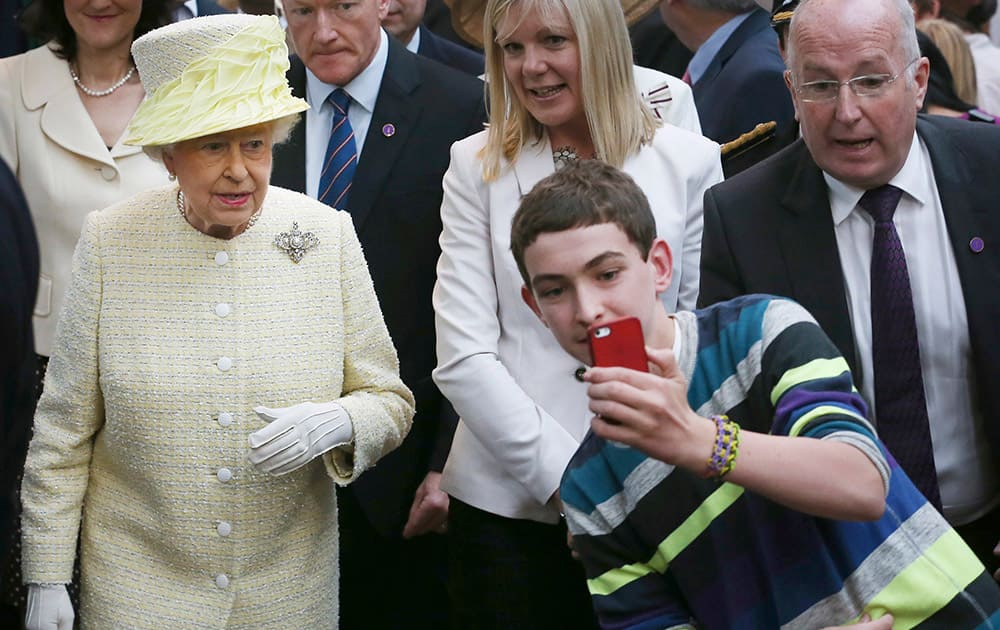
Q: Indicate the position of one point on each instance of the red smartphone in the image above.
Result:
(618, 343)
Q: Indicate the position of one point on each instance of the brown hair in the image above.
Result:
(581, 194)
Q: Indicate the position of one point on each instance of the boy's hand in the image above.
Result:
(650, 412)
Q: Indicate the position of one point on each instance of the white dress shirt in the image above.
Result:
(961, 451)
(363, 90)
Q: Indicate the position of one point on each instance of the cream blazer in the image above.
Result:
(169, 339)
(49, 141)
(522, 412)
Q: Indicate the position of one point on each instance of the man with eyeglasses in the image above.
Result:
(882, 223)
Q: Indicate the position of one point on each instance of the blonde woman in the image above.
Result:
(221, 363)
(951, 42)
(560, 88)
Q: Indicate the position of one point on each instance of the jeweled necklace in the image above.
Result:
(180, 208)
(89, 92)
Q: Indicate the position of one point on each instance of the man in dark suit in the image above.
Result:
(404, 23)
(405, 112)
(18, 286)
(802, 224)
(736, 71)
(656, 46)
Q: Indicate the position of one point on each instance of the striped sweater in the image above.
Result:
(663, 548)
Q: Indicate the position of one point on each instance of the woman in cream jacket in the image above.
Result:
(53, 133)
(221, 363)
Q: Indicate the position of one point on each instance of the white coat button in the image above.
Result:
(224, 475)
(222, 309)
(225, 419)
(224, 529)
(221, 258)
(225, 364)
(108, 173)
(222, 580)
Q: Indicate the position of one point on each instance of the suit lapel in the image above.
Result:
(396, 116)
(811, 256)
(757, 20)
(289, 166)
(47, 85)
(533, 164)
(962, 201)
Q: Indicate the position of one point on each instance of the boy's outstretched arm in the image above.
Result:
(650, 412)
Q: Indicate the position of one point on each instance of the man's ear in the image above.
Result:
(662, 262)
(529, 299)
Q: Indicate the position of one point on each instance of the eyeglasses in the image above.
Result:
(866, 85)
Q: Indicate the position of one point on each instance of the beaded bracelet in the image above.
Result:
(727, 447)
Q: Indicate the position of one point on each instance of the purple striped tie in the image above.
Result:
(341, 155)
(900, 406)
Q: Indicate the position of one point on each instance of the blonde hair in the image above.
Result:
(618, 119)
(951, 42)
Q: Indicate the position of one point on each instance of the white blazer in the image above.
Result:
(522, 412)
(49, 141)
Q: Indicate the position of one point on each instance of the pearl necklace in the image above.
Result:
(89, 92)
(180, 208)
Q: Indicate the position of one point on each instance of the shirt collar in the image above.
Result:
(706, 52)
(363, 89)
(414, 45)
(910, 179)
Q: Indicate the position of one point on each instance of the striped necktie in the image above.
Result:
(341, 155)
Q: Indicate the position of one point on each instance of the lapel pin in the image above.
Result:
(388, 130)
(295, 243)
(977, 244)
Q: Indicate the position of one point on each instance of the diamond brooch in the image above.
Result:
(295, 243)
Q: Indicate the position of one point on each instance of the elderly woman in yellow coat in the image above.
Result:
(220, 360)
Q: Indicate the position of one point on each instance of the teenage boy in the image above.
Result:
(739, 483)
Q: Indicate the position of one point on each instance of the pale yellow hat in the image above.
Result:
(211, 74)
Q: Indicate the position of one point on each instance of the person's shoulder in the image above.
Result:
(756, 308)
(439, 73)
(470, 146)
(140, 215)
(450, 53)
(765, 178)
(282, 200)
(684, 143)
(963, 133)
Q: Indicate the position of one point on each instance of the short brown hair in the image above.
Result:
(581, 194)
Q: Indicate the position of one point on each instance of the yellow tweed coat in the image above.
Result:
(168, 339)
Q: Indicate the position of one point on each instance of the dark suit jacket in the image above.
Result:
(744, 85)
(655, 46)
(207, 7)
(18, 286)
(770, 230)
(396, 205)
(450, 54)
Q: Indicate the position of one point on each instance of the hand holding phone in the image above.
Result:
(618, 343)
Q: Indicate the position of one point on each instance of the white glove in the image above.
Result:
(298, 434)
(49, 608)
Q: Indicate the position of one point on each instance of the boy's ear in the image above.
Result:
(662, 261)
(529, 299)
